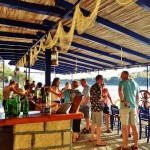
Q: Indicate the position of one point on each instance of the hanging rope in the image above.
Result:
(79, 21)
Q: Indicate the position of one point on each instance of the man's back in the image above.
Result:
(130, 89)
(7, 91)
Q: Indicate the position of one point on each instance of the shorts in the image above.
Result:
(106, 109)
(85, 111)
(76, 125)
(4, 104)
(128, 116)
(97, 118)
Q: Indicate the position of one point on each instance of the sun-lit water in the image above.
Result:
(113, 90)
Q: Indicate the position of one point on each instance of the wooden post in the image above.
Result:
(47, 67)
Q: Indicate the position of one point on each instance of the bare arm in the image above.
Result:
(137, 99)
(17, 92)
(86, 101)
(58, 94)
(110, 98)
(120, 92)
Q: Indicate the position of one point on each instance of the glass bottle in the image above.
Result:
(15, 107)
(25, 107)
(7, 113)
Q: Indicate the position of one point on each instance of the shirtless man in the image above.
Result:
(8, 90)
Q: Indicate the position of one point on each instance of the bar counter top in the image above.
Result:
(36, 116)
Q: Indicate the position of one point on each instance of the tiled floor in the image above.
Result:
(114, 141)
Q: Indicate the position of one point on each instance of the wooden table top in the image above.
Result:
(38, 117)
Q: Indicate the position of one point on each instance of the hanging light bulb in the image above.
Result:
(121, 62)
(76, 68)
(54, 57)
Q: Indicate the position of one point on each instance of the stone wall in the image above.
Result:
(54, 135)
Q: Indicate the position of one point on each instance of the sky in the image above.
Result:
(39, 76)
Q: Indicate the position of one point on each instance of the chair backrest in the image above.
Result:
(144, 114)
(115, 110)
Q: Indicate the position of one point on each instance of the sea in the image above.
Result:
(113, 90)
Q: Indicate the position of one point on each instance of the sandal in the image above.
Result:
(108, 131)
(102, 144)
(84, 130)
(134, 148)
(92, 140)
(122, 148)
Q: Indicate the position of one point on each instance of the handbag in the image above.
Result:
(76, 104)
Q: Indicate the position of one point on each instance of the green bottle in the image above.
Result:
(15, 109)
(7, 114)
(18, 104)
(25, 107)
(35, 95)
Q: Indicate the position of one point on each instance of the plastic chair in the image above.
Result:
(115, 116)
(144, 122)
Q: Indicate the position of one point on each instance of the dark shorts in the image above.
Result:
(4, 104)
(85, 111)
(106, 109)
(76, 125)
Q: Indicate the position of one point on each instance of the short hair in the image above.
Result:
(75, 84)
(27, 81)
(39, 84)
(99, 77)
(82, 80)
(12, 82)
(126, 72)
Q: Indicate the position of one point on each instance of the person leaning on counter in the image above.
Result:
(8, 90)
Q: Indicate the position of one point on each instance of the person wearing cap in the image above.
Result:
(129, 98)
(106, 98)
(97, 111)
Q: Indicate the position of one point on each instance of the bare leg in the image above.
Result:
(135, 135)
(74, 137)
(106, 116)
(129, 129)
(98, 135)
(87, 123)
(125, 135)
(92, 131)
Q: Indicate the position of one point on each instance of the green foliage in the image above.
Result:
(9, 72)
(140, 78)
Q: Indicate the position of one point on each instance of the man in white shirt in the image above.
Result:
(86, 104)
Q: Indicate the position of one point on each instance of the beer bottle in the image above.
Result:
(25, 107)
(35, 95)
(15, 108)
(7, 114)
(18, 104)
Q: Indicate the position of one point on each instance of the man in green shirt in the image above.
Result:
(128, 93)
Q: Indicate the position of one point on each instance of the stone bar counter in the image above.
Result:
(38, 131)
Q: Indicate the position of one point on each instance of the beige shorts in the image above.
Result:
(97, 118)
(128, 116)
